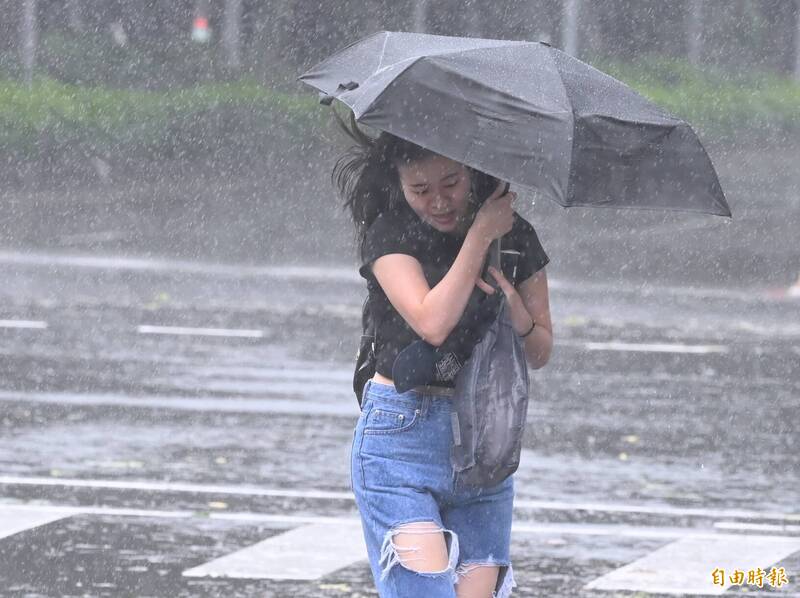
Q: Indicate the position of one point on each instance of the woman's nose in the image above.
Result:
(441, 200)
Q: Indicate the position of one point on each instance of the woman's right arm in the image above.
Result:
(433, 313)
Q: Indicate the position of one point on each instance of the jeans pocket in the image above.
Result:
(390, 419)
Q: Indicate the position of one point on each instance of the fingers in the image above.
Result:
(501, 280)
(509, 198)
(498, 192)
(485, 286)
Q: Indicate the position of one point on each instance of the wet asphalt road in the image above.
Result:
(134, 447)
(95, 406)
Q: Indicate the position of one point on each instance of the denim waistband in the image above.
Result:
(416, 393)
(416, 398)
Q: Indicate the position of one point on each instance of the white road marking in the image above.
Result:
(519, 504)
(175, 487)
(13, 521)
(12, 507)
(682, 566)
(290, 373)
(686, 565)
(185, 331)
(303, 553)
(649, 377)
(578, 529)
(343, 274)
(656, 510)
(758, 527)
(337, 408)
(644, 347)
(36, 324)
(337, 273)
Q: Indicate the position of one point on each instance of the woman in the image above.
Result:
(423, 241)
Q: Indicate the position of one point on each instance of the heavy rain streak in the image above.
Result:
(183, 231)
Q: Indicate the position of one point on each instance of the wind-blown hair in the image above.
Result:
(366, 176)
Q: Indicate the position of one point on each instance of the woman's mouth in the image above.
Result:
(445, 218)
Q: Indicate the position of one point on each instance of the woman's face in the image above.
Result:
(438, 190)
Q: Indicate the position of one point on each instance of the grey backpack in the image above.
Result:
(489, 407)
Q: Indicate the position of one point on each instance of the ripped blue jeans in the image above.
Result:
(400, 474)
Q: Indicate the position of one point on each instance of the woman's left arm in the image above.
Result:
(529, 303)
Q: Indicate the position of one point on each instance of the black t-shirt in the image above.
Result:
(402, 231)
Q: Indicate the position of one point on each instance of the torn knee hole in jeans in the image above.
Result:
(408, 555)
(505, 576)
(465, 568)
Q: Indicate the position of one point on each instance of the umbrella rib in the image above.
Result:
(413, 61)
(570, 183)
(383, 50)
(441, 60)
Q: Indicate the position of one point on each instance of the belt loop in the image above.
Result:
(426, 404)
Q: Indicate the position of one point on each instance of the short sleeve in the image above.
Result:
(385, 236)
(533, 257)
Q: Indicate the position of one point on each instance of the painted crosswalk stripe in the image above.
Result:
(576, 529)
(14, 521)
(186, 331)
(306, 552)
(321, 544)
(686, 565)
(34, 324)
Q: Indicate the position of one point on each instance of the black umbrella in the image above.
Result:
(527, 113)
(523, 112)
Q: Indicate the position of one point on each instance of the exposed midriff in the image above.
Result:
(382, 379)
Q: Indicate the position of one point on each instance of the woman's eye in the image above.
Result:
(424, 191)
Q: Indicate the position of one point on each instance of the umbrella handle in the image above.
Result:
(494, 254)
(493, 257)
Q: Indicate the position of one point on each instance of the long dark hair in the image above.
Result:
(366, 176)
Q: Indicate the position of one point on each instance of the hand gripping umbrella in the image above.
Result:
(523, 112)
(527, 113)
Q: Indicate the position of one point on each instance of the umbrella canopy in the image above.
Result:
(527, 113)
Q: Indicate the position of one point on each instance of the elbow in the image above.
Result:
(434, 337)
(540, 356)
(433, 333)
(538, 363)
